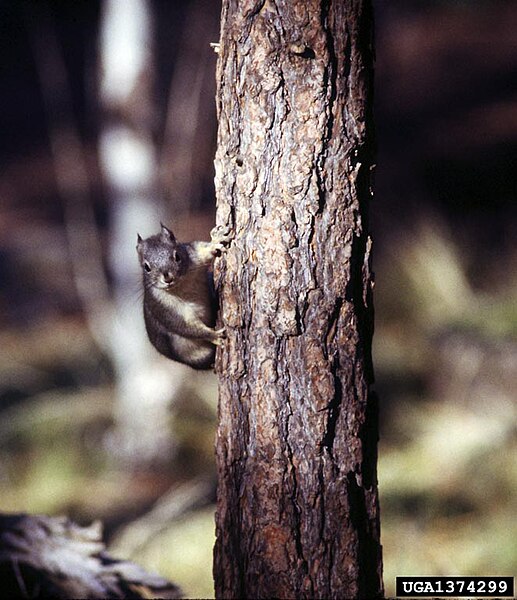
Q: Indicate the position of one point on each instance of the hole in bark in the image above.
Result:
(300, 49)
(308, 53)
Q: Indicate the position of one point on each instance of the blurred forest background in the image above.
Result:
(108, 126)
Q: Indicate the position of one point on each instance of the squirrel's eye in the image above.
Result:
(176, 257)
(147, 266)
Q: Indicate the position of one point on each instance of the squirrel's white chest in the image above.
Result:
(186, 309)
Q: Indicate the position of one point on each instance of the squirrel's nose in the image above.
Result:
(168, 277)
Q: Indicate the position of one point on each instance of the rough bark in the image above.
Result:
(296, 445)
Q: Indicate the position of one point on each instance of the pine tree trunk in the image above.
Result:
(296, 445)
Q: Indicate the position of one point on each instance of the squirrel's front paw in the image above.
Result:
(218, 248)
(220, 336)
(221, 236)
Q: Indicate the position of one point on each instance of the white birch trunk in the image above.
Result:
(128, 158)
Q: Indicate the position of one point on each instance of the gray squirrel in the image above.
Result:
(179, 298)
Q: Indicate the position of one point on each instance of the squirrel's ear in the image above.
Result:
(139, 239)
(167, 233)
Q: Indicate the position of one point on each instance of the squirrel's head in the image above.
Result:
(162, 259)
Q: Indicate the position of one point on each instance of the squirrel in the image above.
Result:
(179, 297)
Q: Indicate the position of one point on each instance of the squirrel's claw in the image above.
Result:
(218, 248)
(221, 336)
(221, 235)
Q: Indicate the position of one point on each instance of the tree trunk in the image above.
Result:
(296, 445)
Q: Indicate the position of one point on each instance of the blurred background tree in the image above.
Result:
(445, 260)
